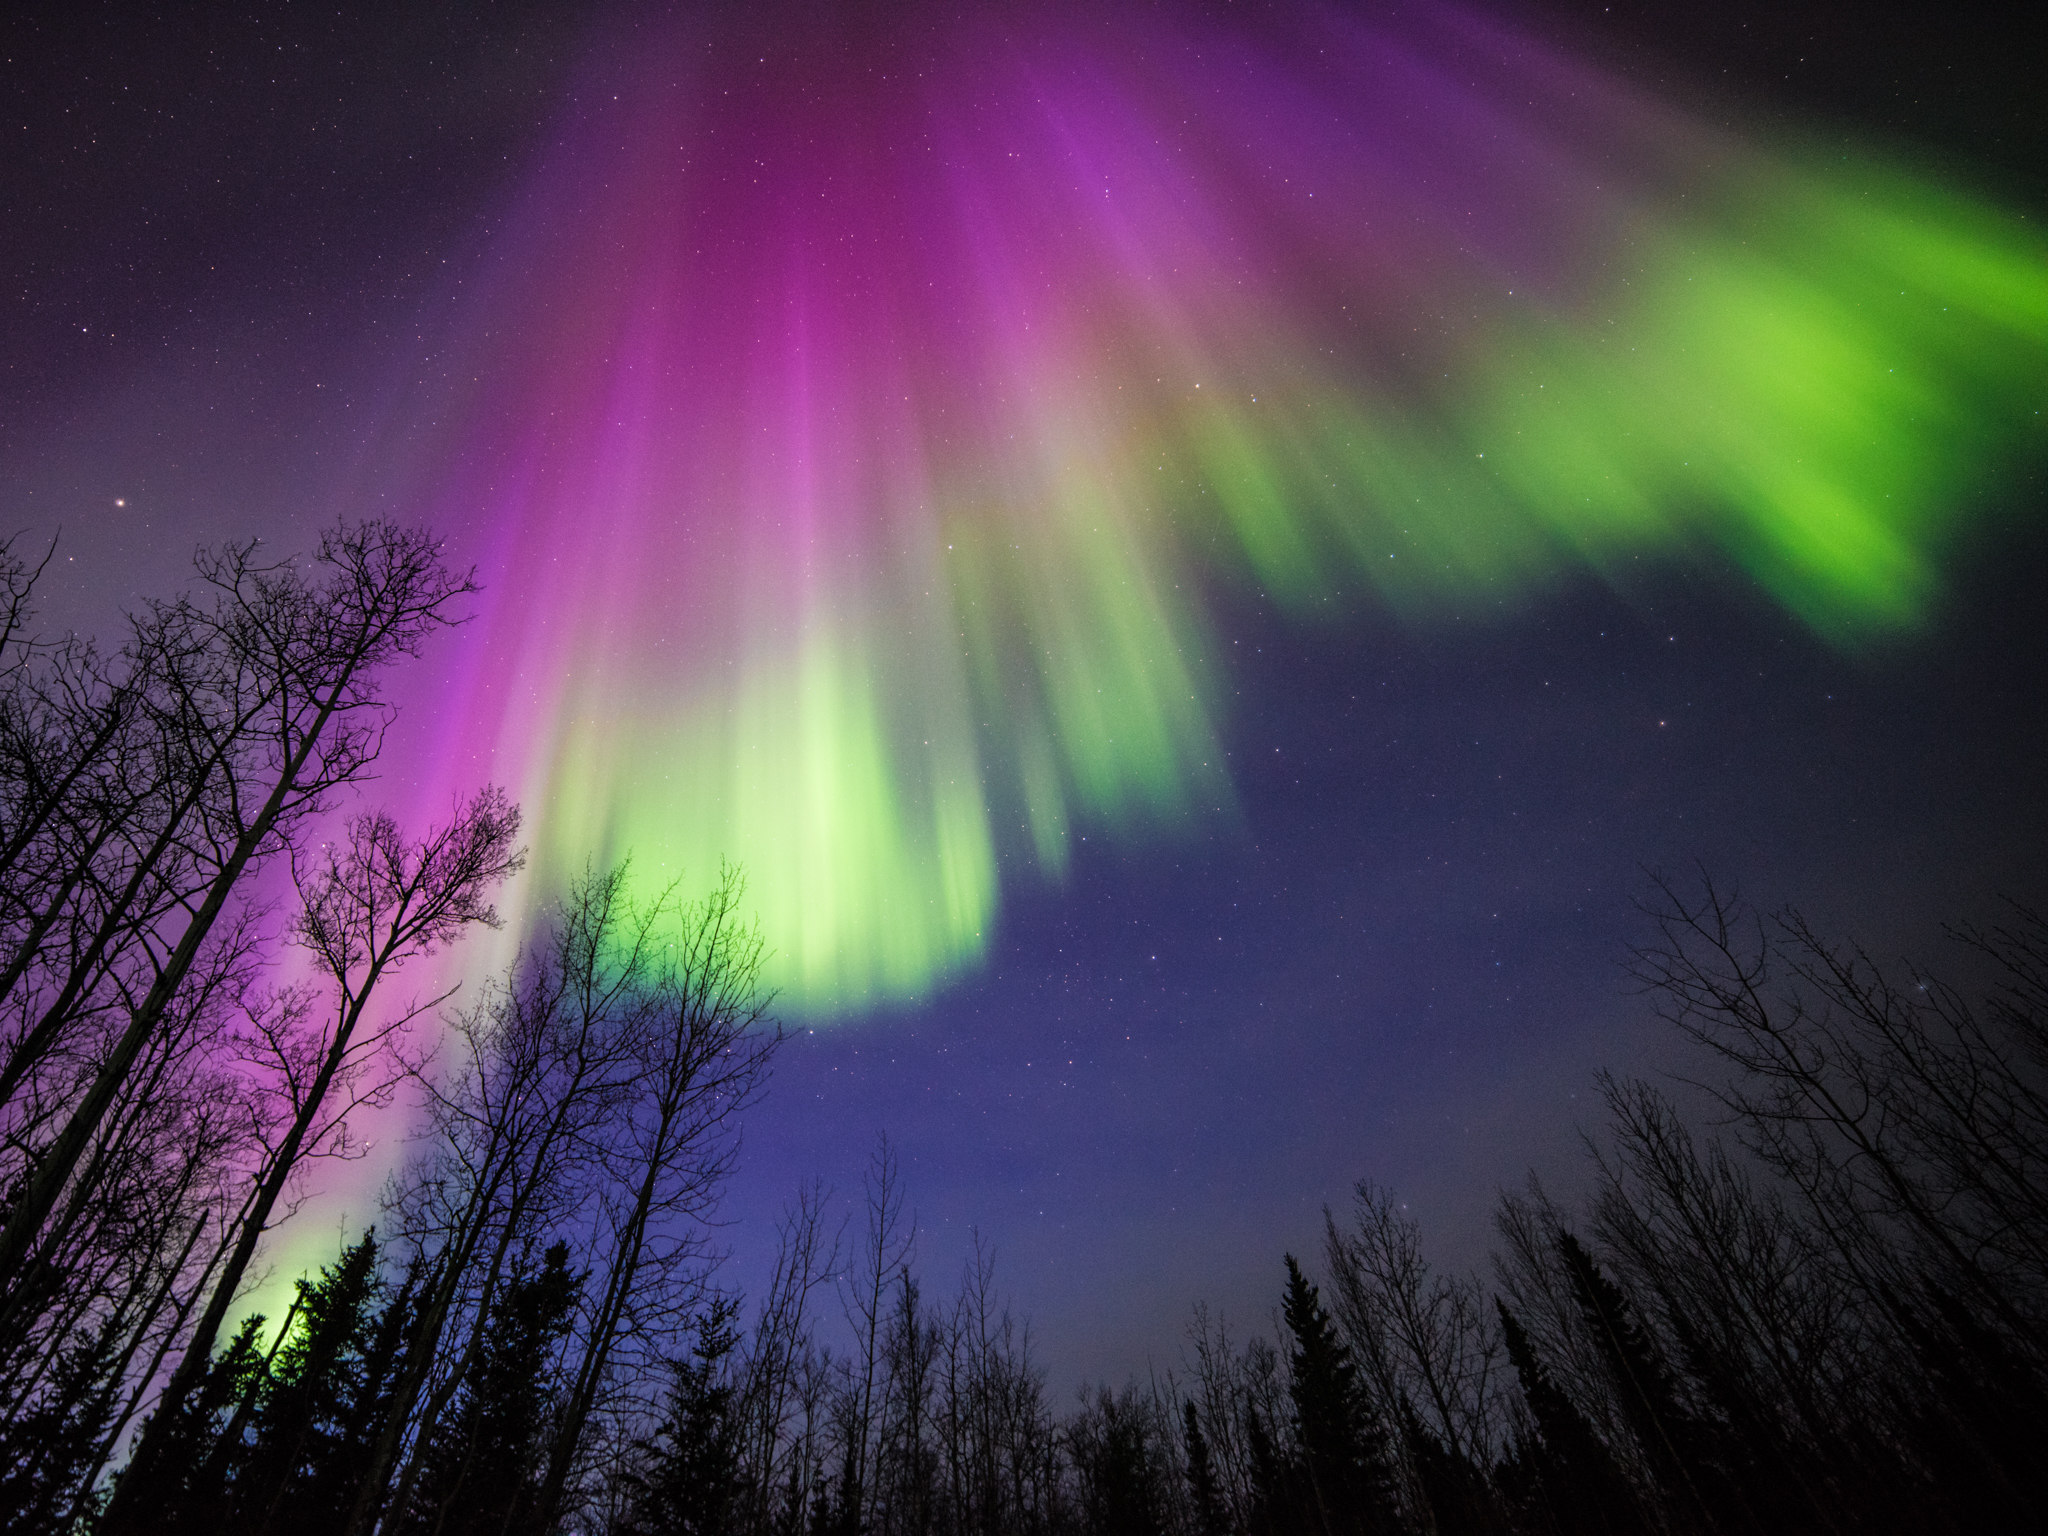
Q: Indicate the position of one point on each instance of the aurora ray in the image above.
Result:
(858, 414)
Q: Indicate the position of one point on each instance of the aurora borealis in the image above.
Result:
(858, 429)
(1194, 554)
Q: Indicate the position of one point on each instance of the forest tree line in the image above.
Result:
(1827, 1311)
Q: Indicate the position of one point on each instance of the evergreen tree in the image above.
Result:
(1678, 1446)
(197, 1461)
(52, 1450)
(1344, 1453)
(276, 1441)
(1775, 1484)
(1453, 1490)
(1210, 1519)
(1275, 1505)
(482, 1465)
(303, 1403)
(690, 1485)
(1981, 1417)
(1565, 1470)
(1113, 1448)
(383, 1359)
(830, 1515)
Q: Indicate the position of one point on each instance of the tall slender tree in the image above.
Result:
(263, 700)
(546, 1060)
(689, 1481)
(1564, 1470)
(1343, 1451)
(379, 901)
(1210, 1518)
(485, 1461)
(700, 1052)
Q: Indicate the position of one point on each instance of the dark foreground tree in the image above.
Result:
(687, 1479)
(1119, 1464)
(1343, 1450)
(1912, 1124)
(378, 901)
(273, 1436)
(1210, 1516)
(698, 1053)
(482, 1469)
(263, 700)
(542, 1062)
(1559, 1474)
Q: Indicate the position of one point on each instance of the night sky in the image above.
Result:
(817, 399)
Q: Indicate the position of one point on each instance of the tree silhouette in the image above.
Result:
(264, 702)
(690, 1482)
(1564, 1470)
(483, 1467)
(1343, 1451)
(1115, 1460)
(379, 901)
(698, 1053)
(1210, 1518)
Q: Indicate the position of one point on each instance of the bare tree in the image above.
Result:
(133, 1243)
(700, 1052)
(776, 1447)
(1427, 1337)
(906, 1459)
(256, 704)
(1914, 1128)
(1532, 1283)
(865, 1292)
(546, 1059)
(1225, 1381)
(1730, 1263)
(376, 901)
(1002, 1445)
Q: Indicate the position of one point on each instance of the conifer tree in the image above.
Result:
(1566, 1469)
(309, 1383)
(1274, 1502)
(1344, 1453)
(690, 1485)
(481, 1471)
(1112, 1446)
(191, 1488)
(56, 1442)
(297, 1453)
(1453, 1490)
(1768, 1481)
(1210, 1519)
(1674, 1441)
(1981, 1418)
